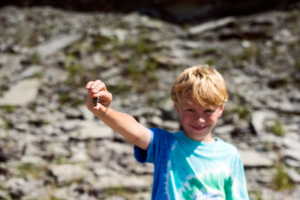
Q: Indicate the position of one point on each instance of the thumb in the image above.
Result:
(101, 108)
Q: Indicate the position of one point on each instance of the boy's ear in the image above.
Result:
(221, 110)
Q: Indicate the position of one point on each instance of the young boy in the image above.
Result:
(189, 164)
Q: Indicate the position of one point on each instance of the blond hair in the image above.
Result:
(206, 85)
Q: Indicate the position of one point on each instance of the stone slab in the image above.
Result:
(21, 94)
(255, 159)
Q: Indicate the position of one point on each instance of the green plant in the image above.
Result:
(59, 160)
(298, 64)
(30, 169)
(142, 46)
(209, 61)
(7, 124)
(281, 180)
(120, 191)
(267, 145)
(258, 195)
(119, 88)
(67, 99)
(243, 112)
(122, 25)
(293, 16)
(196, 52)
(35, 58)
(277, 128)
(74, 69)
(9, 109)
(75, 74)
(64, 98)
(37, 75)
(100, 40)
(150, 65)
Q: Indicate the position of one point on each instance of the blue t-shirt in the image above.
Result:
(188, 169)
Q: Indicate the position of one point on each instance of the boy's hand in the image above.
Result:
(98, 89)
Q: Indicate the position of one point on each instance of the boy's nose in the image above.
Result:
(200, 119)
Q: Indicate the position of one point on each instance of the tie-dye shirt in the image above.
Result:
(188, 169)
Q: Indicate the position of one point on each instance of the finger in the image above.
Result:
(97, 107)
(95, 83)
(103, 96)
(99, 87)
(89, 84)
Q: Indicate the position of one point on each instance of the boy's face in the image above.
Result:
(196, 120)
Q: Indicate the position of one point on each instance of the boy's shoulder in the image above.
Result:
(228, 148)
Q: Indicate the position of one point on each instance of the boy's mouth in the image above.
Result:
(198, 128)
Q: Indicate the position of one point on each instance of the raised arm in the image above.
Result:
(122, 123)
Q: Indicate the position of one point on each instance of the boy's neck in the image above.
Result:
(207, 139)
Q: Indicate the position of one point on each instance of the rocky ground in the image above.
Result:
(52, 148)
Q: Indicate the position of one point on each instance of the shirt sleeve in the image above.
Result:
(236, 187)
(158, 141)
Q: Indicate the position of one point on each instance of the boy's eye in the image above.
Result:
(209, 111)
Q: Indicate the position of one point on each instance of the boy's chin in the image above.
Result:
(198, 138)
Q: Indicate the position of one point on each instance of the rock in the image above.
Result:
(53, 76)
(291, 143)
(115, 197)
(145, 111)
(292, 162)
(196, 30)
(69, 125)
(9, 65)
(22, 127)
(67, 173)
(23, 93)
(132, 183)
(294, 175)
(3, 195)
(156, 121)
(144, 169)
(271, 139)
(258, 118)
(34, 70)
(104, 171)
(171, 125)
(92, 130)
(121, 34)
(167, 62)
(72, 113)
(285, 106)
(56, 150)
(254, 159)
(34, 160)
(38, 193)
(292, 154)
(119, 148)
(142, 195)
(222, 130)
(109, 73)
(98, 59)
(87, 115)
(56, 44)
(26, 188)
(265, 177)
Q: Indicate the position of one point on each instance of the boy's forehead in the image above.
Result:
(192, 102)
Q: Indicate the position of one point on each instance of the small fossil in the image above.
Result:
(95, 100)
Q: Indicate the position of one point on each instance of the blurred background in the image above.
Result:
(52, 147)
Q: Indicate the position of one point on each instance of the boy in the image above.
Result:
(189, 164)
